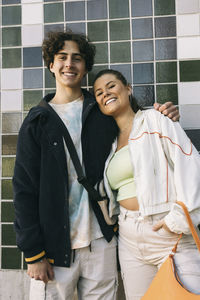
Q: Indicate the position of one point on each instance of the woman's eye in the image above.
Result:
(111, 86)
(99, 94)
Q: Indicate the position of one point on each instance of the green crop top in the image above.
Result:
(120, 174)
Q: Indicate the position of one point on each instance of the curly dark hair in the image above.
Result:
(55, 41)
(119, 76)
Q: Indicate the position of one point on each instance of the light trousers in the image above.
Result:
(142, 251)
(93, 273)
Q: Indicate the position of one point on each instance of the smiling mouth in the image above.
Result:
(110, 100)
(68, 74)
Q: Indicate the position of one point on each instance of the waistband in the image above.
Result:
(135, 214)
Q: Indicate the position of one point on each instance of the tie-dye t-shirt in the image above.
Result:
(83, 224)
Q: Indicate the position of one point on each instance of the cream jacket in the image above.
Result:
(166, 169)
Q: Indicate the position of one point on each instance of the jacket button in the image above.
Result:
(55, 143)
(65, 262)
(66, 255)
(65, 226)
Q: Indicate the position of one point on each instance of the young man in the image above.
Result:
(65, 244)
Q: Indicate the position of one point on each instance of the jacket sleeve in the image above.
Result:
(26, 181)
(185, 160)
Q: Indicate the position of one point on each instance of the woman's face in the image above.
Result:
(112, 95)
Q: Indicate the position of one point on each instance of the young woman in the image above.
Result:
(152, 164)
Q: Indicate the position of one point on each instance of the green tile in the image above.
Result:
(101, 53)
(120, 52)
(6, 189)
(31, 98)
(11, 15)
(11, 36)
(11, 122)
(11, 258)
(7, 212)
(163, 7)
(11, 58)
(9, 143)
(118, 9)
(50, 91)
(119, 30)
(53, 13)
(190, 70)
(166, 72)
(49, 79)
(8, 236)
(93, 73)
(167, 93)
(8, 166)
(97, 31)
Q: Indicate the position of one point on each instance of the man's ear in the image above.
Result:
(51, 67)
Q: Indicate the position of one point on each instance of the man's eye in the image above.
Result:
(77, 59)
(62, 57)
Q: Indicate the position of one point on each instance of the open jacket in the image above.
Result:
(166, 169)
(40, 180)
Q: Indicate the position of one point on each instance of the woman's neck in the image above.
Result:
(125, 121)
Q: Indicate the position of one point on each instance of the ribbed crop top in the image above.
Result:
(120, 174)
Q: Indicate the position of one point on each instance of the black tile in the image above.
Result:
(144, 95)
(125, 69)
(75, 11)
(97, 9)
(165, 27)
(143, 51)
(142, 28)
(32, 78)
(194, 135)
(32, 57)
(166, 49)
(141, 8)
(143, 73)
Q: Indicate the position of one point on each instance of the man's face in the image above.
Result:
(69, 66)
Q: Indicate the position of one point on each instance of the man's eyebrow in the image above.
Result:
(65, 53)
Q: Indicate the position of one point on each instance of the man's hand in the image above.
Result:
(168, 109)
(41, 270)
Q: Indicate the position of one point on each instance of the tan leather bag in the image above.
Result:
(166, 285)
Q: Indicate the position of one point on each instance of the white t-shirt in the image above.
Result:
(83, 223)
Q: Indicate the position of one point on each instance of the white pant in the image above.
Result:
(93, 272)
(142, 251)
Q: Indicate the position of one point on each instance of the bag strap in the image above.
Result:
(191, 225)
(74, 156)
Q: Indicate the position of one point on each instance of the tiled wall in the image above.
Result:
(155, 43)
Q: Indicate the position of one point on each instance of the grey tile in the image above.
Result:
(32, 78)
(6, 2)
(75, 11)
(166, 49)
(77, 27)
(53, 27)
(143, 73)
(125, 69)
(11, 15)
(97, 9)
(142, 28)
(141, 8)
(143, 51)
(11, 36)
(118, 9)
(144, 95)
(165, 27)
(32, 57)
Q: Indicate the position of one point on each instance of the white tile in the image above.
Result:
(188, 25)
(189, 93)
(189, 116)
(188, 47)
(11, 79)
(32, 13)
(187, 6)
(11, 100)
(32, 35)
